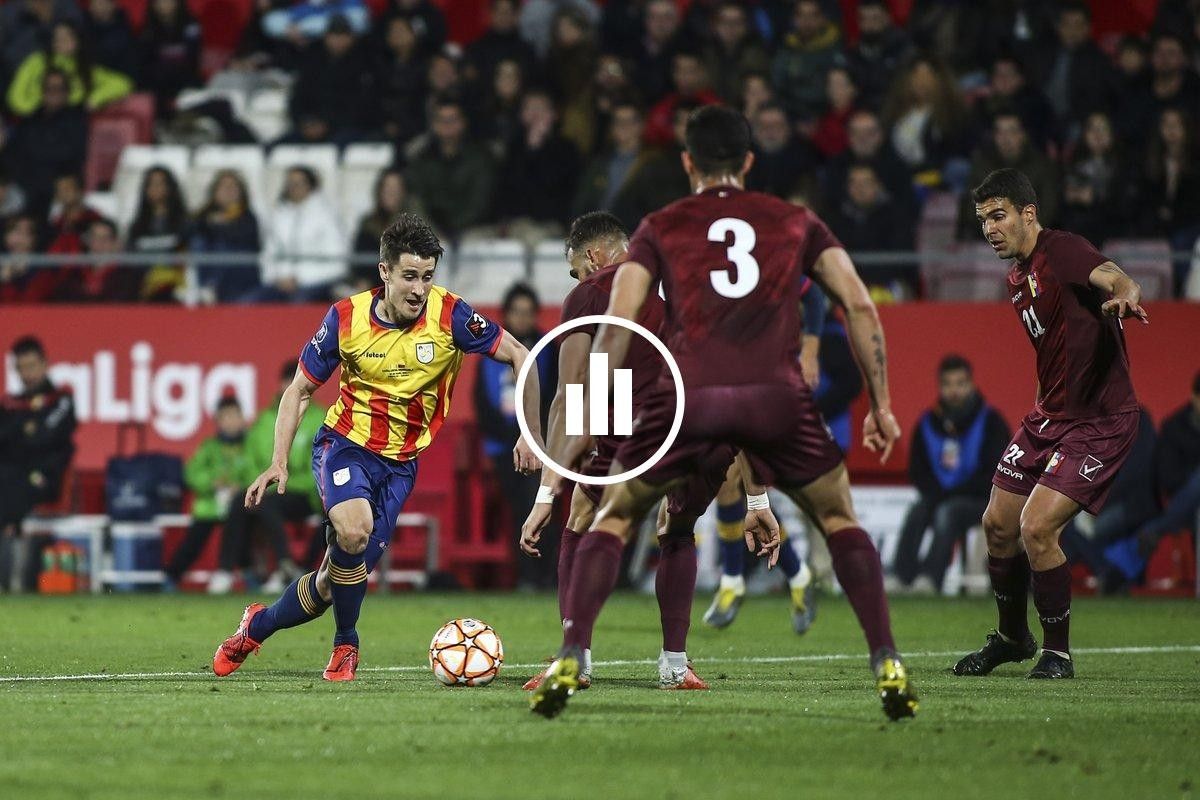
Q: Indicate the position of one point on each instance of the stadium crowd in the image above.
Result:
(565, 106)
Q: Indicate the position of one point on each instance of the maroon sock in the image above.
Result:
(856, 564)
(597, 562)
(675, 585)
(568, 543)
(1010, 584)
(1052, 599)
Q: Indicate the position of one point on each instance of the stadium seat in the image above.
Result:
(267, 114)
(485, 268)
(974, 275)
(321, 158)
(107, 139)
(1148, 261)
(103, 203)
(135, 160)
(551, 277)
(246, 159)
(361, 165)
(138, 107)
(935, 233)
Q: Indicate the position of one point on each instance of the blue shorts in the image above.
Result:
(345, 470)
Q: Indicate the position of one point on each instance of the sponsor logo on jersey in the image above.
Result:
(477, 325)
(1016, 298)
(1090, 466)
(1012, 473)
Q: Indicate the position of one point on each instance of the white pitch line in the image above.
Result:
(102, 676)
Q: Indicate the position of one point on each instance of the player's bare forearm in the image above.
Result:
(292, 405)
(630, 287)
(572, 369)
(870, 350)
(1126, 293)
(515, 354)
(750, 481)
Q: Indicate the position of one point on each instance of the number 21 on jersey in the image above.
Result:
(1032, 323)
(745, 272)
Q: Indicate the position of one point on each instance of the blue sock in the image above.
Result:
(733, 558)
(789, 562)
(348, 582)
(299, 603)
(729, 531)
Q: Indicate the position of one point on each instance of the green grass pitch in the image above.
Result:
(787, 716)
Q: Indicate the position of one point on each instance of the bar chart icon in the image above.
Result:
(598, 415)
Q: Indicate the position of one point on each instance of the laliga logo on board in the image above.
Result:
(598, 413)
(172, 397)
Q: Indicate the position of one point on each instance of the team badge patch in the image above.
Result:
(341, 477)
(1090, 466)
(1055, 464)
(1034, 289)
(425, 352)
(320, 336)
(477, 325)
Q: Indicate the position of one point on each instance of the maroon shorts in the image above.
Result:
(691, 499)
(777, 425)
(1078, 458)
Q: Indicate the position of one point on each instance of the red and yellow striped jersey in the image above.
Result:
(396, 381)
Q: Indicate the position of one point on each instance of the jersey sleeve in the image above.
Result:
(1072, 259)
(817, 239)
(473, 332)
(643, 248)
(581, 302)
(320, 357)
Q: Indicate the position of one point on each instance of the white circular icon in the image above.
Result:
(600, 319)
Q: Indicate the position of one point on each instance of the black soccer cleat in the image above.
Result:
(561, 681)
(997, 651)
(896, 691)
(1052, 665)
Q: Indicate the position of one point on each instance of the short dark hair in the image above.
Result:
(594, 226)
(516, 292)
(718, 139)
(953, 362)
(228, 401)
(27, 345)
(1074, 7)
(408, 233)
(1006, 184)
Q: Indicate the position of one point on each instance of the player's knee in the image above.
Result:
(353, 537)
(1038, 534)
(999, 532)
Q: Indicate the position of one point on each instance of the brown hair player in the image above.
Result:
(1070, 300)
(731, 264)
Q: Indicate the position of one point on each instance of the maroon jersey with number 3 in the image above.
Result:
(1082, 364)
(732, 265)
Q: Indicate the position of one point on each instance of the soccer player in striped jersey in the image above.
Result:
(400, 347)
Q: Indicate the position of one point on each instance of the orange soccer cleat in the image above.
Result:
(342, 664)
(533, 682)
(690, 680)
(233, 651)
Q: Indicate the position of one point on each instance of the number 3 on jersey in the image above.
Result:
(745, 270)
(1032, 323)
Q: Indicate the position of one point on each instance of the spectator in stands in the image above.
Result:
(537, 179)
(399, 105)
(733, 51)
(226, 224)
(1174, 83)
(91, 85)
(48, 143)
(1074, 73)
(109, 281)
(880, 51)
(927, 118)
(170, 44)
(498, 122)
(449, 175)
(500, 42)
(69, 215)
(954, 449)
(12, 196)
(296, 505)
(654, 48)
(495, 409)
(106, 28)
(867, 144)
(37, 427)
(571, 68)
(841, 95)
(1008, 90)
(952, 30)
(756, 93)
(806, 53)
(1010, 147)
(867, 221)
(426, 19)
(332, 99)
(1135, 104)
(611, 86)
(26, 26)
(391, 200)
(256, 49)
(689, 78)
(1099, 192)
(305, 245)
(1171, 193)
(1178, 470)
(307, 20)
(539, 20)
(160, 227)
(19, 281)
(781, 158)
(214, 474)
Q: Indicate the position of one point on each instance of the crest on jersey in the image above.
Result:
(425, 352)
(1034, 289)
(320, 336)
(476, 325)
(1055, 462)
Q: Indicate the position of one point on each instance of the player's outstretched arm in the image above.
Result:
(515, 354)
(292, 405)
(762, 529)
(1126, 294)
(629, 290)
(835, 272)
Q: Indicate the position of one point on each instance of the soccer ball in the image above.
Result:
(466, 652)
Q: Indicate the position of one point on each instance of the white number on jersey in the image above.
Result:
(1032, 323)
(746, 267)
(1013, 455)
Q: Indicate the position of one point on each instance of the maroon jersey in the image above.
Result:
(732, 265)
(591, 297)
(1082, 365)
